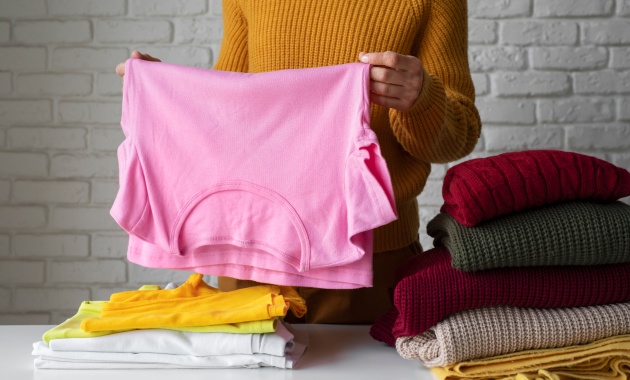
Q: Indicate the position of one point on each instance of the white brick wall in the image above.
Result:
(548, 75)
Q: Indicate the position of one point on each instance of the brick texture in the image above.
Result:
(50, 245)
(52, 32)
(47, 138)
(547, 75)
(81, 8)
(573, 8)
(50, 192)
(54, 84)
(5, 31)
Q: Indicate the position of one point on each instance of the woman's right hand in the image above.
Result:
(120, 68)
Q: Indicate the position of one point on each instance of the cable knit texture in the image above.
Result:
(443, 125)
(566, 233)
(484, 188)
(498, 330)
(430, 289)
(605, 359)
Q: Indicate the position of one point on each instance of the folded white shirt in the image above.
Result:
(173, 342)
(48, 358)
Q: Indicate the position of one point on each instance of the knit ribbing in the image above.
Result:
(442, 125)
(567, 233)
(492, 331)
(484, 188)
(430, 289)
(605, 359)
(234, 55)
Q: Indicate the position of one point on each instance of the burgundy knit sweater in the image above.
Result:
(484, 188)
(430, 289)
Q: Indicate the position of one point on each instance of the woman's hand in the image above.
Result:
(120, 68)
(395, 79)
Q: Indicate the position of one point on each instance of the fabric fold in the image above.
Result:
(605, 359)
(566, 233)
(484, 188)
(51, 359)
(493, 331)
(430, 289)
(160, 308)
(71, 328)
(169, 342)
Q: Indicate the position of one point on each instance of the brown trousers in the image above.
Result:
(347, 306)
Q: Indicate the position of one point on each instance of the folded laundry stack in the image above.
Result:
(529, 277)
(190, 326)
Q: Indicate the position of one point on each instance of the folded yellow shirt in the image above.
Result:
(607, 358)
(193, 287)
(71, 328)
(195, 304)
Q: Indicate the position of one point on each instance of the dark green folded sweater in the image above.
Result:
(568, 233)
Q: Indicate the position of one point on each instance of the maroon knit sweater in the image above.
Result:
(430, 289)
(483, 188)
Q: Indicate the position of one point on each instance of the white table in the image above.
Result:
(334, 352)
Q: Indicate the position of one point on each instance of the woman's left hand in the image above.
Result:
(395, 79)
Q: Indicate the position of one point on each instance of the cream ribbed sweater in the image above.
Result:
(442, 126)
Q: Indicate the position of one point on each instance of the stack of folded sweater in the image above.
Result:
(530, 277)
(190, 326)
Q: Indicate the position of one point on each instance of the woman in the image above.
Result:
(422, 98)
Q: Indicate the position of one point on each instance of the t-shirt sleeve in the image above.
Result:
(368, 187)
(131, 198)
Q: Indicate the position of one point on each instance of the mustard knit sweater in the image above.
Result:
(442, 126)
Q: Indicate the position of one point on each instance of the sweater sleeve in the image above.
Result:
(233, 55)
(443, 124)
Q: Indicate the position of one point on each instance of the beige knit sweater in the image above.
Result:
(492, 331)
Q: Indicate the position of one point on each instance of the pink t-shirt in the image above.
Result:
(274, 177)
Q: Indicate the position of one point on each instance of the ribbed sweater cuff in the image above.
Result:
(428, 94)
(438, 129)
(426, 112)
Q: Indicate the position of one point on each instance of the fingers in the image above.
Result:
(395, 79)
(389, 102)
(392, 60)
(393, 96)
(146, 57)
(120, 68)
(390, 76)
